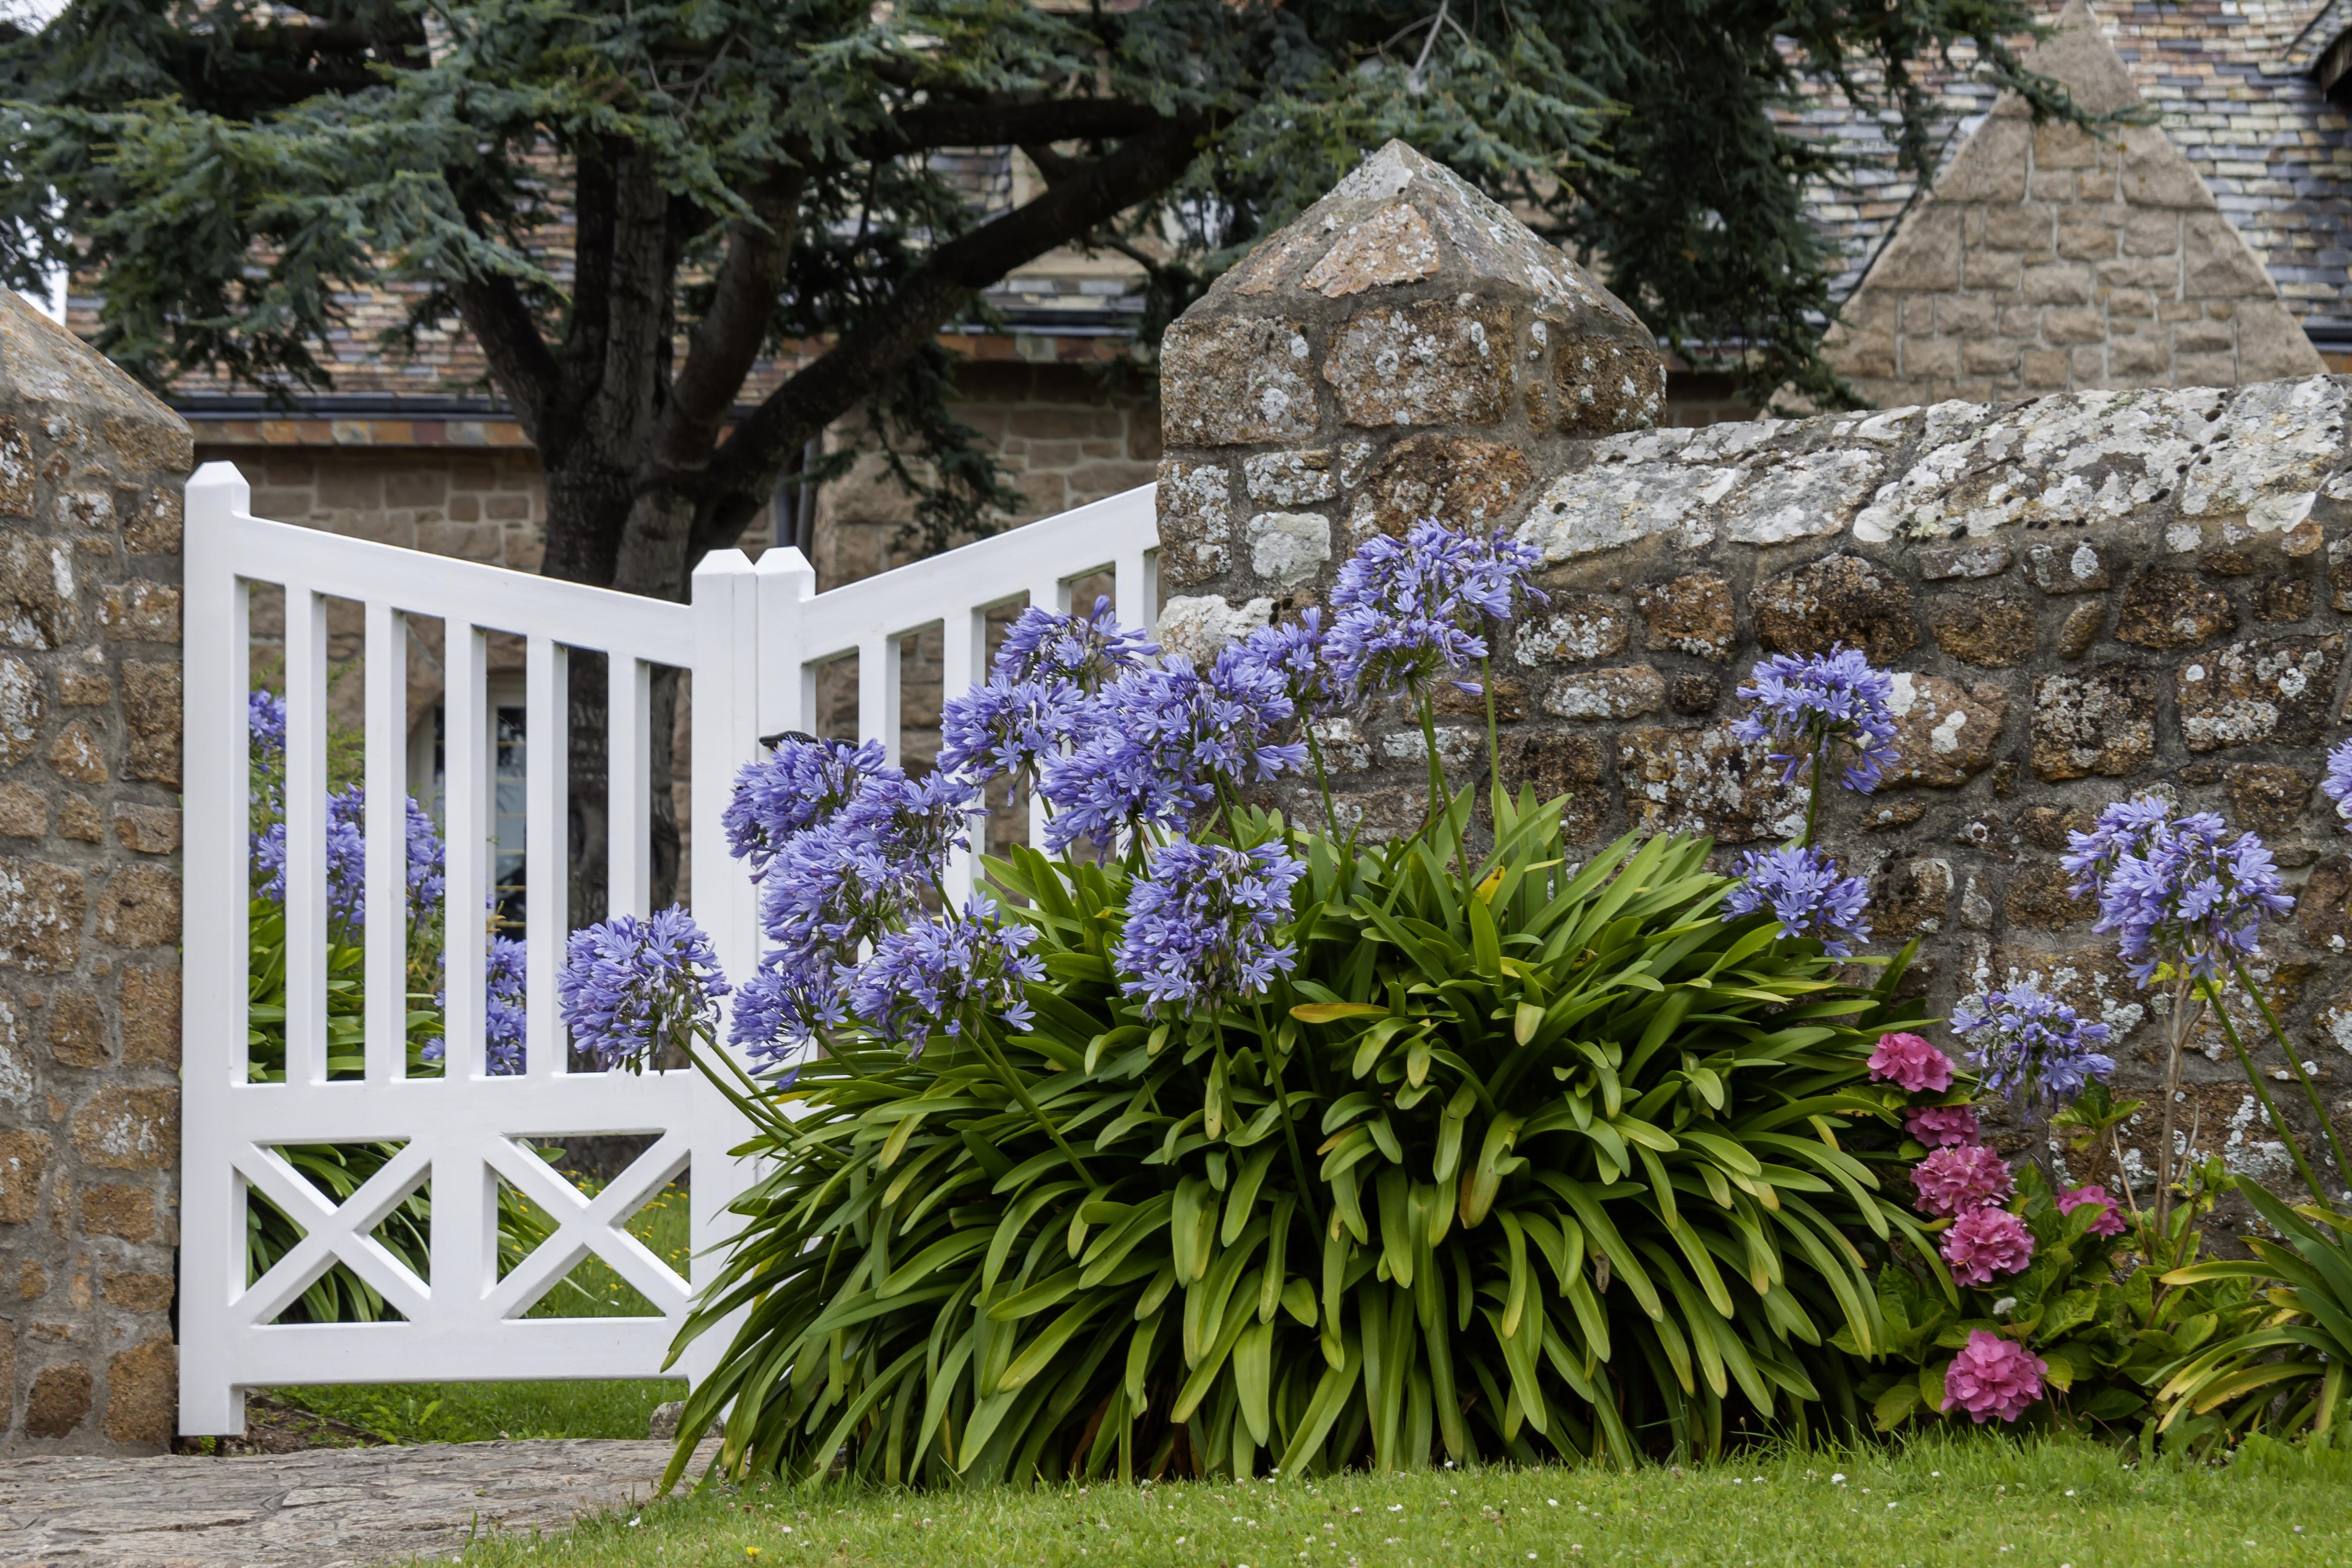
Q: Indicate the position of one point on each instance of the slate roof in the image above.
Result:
(2230, 82)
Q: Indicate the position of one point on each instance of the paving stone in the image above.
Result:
(324, 1507)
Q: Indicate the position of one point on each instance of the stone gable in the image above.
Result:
(2047, 258)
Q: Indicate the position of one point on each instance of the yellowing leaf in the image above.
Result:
(1332, 1012)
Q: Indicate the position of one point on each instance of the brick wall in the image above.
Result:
(91, 468)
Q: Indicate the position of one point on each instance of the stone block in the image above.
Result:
(1197, 627)
(86, 686)
(140, 907)
(147, 829)
(1695, 692)
(1964, 316)
(41, 910)
(2204, 370)
(24, 812)
(2073, 324)
(2027, 227)
(2092, 981)
(1990, 165)
(1235, 381)
(1573, 627)
(59, 1400)
(1944, 734)
(2144, 357)
(1707, 781)
(78, 754)
(1939, 562)
(1924, 255)
(143, 1392)
(134, 1291)
(2039, 899)
(1840, 599)
(2218, 264)
(1997, 272)
(2079, 568)
(1910, 898)
(2087, 241)
(1462, 481)
(2043, 368)
(21, 711)
(1621, 693)
(2267, 797)
(2101, 721)
(1983, 629)
(1196, 522)
(1288, 546)
(2283, 599)
(151, 708)
(24, 1157)
(37, 592)
(1561, 762)
(2272, 344)
(120, 1127)
(1510, 700)
(77, 1030)
(1931, 358)
(1290, 479)
(2277, 689)
(2057, 283)
(1431, 362)
(108, 1208)
(150, 1016)
(1602, 385)
(140, 610)
(1990, 357)
(78, 820)
(1690, 615)
(2164, 607)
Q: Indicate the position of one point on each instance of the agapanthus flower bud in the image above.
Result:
(1993, 1376)
(2110, 1221)
(1805, 703)
(628, 986)
(1944, 1126)
(1910, 1062)
(1801, 889)
(1952, 1180)
(1986, 1244)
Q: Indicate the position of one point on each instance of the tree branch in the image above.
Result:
(518, 359)
(731, 332)
(586, 333)
(954, 123)
(864, 356)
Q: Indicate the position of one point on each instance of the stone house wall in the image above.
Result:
(91, 469)
(2084, 596)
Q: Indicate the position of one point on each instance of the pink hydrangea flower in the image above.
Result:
(2110, 1223)
(1944, 1126)
(1993, 1376)
(1953, 1181)
(1912, 1062)
(1984, 1244)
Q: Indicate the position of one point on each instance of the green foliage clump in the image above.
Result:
(1536, 1161)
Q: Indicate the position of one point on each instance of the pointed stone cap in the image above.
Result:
(67, 410)
(2078, 55)
(1405, 298)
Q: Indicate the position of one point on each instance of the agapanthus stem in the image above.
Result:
(1813, 790)
(2327, 1126)
(1440, 798)
(1494, 755)
(977, 1032)
(2183, 1018)
(1275, 1063)
(1322, 780)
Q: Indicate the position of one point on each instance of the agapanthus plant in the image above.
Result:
(800, 784)
(930, 977)
(2336, 783)
(1201, 928)
(2030, 1046)
(1803, 889)
(2186, 905)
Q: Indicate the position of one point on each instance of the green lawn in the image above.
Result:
(472, 1411)
(1968, 1502)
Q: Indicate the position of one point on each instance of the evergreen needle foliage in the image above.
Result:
(1535, 1162)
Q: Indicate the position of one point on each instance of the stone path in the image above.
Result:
(327, 1508)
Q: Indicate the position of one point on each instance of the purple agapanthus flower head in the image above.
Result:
(265, 724)
(1800, 887)
(1089, 651)
(935, 975)
(629, 986)
(1834, 704)
(1407, 611)
(2336, 783)
(915, 823)
(800, 782)
(1199, 927)
(2171, 892)
(424, 862)
(1294, 652)
(2031, 1045)
(1010, 729)
(504, 1018)
(1160, 742)
(791, 999)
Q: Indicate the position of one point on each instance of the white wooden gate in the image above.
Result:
(753, 637)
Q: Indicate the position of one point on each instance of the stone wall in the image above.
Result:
(91, 468)
(2087, 596)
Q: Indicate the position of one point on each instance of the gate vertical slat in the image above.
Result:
(628, 786)
(467, 829)
(546, 845)
(387, 830)
(306, 834)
